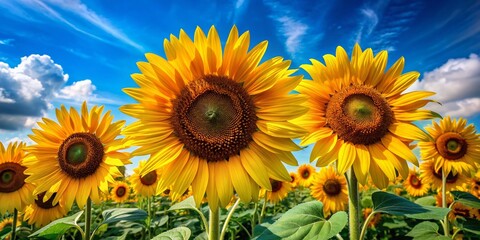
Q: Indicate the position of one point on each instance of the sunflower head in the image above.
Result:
(305, 174)
(359, 116)
(145, 185)
(120, 192)
(77, 156)
(15, 193)
(454, 146)
(429, 175)
(294, 179)
(331, 189)
(43, 211)
(414, 185)
(280, 190)
(214, 118)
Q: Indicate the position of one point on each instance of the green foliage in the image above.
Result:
(57, 228)
(385, 202)
(426, 231)
(125, 214)
(305, 221)
(469, 225)
(433, 213)
(466, 199)
(179, 233)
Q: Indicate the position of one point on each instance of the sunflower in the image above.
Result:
(294, 180)
(359, 116)
(120, 192)
(147, 185)
(8, 222)
(330, 188)
(458, 209)
(76, 157)
(43, 212)
(454, 146)
(305, 175)
(434, 178)
(216, 120)
(280, 190)
(414, 185)
(15, 193)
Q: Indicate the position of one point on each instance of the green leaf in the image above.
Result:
(179, 233)
(202, 236)
(466, 199)
(305, 221)
(392, 204)
(57, 228)
(188, 203)
(426, 201)
(433, 213)
(469, 224)
(396, 224)
(426, 231)
(126, 214)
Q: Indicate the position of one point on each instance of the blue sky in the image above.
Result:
(56, 52)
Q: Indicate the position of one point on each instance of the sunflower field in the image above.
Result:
(217, 124)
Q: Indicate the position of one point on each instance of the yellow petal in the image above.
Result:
(255, 168)
(240, 178)
(377, 154)
(346, 157)
(200, 182)
(316, 136)
(399, 148)
(408, 131)
(362, 163)
(223, 183)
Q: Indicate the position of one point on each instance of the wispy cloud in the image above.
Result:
(370, 21)
(294, 31)
(7, 41)
(76, 16)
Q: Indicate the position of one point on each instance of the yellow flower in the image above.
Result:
(77, 156)
(294, 181)
(43, 212)
(120, 192)
(455, 146)
(15, 193)
(359, 116)
(305, 175)
(215, 120)
(414, 185)
(280, 190)
(330, 188)
(147, 185)
(434, 178)
(8, 222)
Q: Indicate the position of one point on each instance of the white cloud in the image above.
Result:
(7, 42)
(27, 90)
(293, 30)
(457, 84)
(368, 24)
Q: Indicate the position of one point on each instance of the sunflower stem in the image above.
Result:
(227, 220)
(365, 224)
(214, 224)
(88, 218)
(254, 216)
(14, 225)
(446, 229)
(353, 206)
(262, 213)
(149, 223)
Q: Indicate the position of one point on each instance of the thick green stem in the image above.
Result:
(227, 220)
(446, 229)
(149, 223)
(262, 213)
(88, 218)
(365, 224)
(253, 223)
(214, 224)
(14, 224)
(353, 206)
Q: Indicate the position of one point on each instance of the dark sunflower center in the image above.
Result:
(451, 146)
(149, 179)
(214, 117)
(306, 174)
(332, 187)
(359, 115)
(47, 204)
(293, 179)
(121, 191)
(11, 177)
(415, 181)
(166, 191)
(276, 185)
(80, 155)
(451, 178)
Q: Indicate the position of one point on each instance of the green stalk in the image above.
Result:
(88, 218)
(446, 229)
(149, 223)
(227, 220)
(14, 225)
(253, 222)
(214, 224)
(262, 213)
(365, 224)
(353, 206)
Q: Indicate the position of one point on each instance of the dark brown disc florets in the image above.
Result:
(276, 185)
(80, 155)
(12, 177)
(332, 187)
(451, 146)
(149, 179)
(214, 117)
(47, 204)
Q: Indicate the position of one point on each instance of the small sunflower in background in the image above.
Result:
(414, 185)
(280, 190)
(145, 186)
(216, 119)
(294, 181)
(359, 116)
(41, 213)
(120, 192)
(8, 222)
(77, 157)
(305, 175)
(434, 178)
(455, 147)
(474, 185)
(15, 193)
(330, 188)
